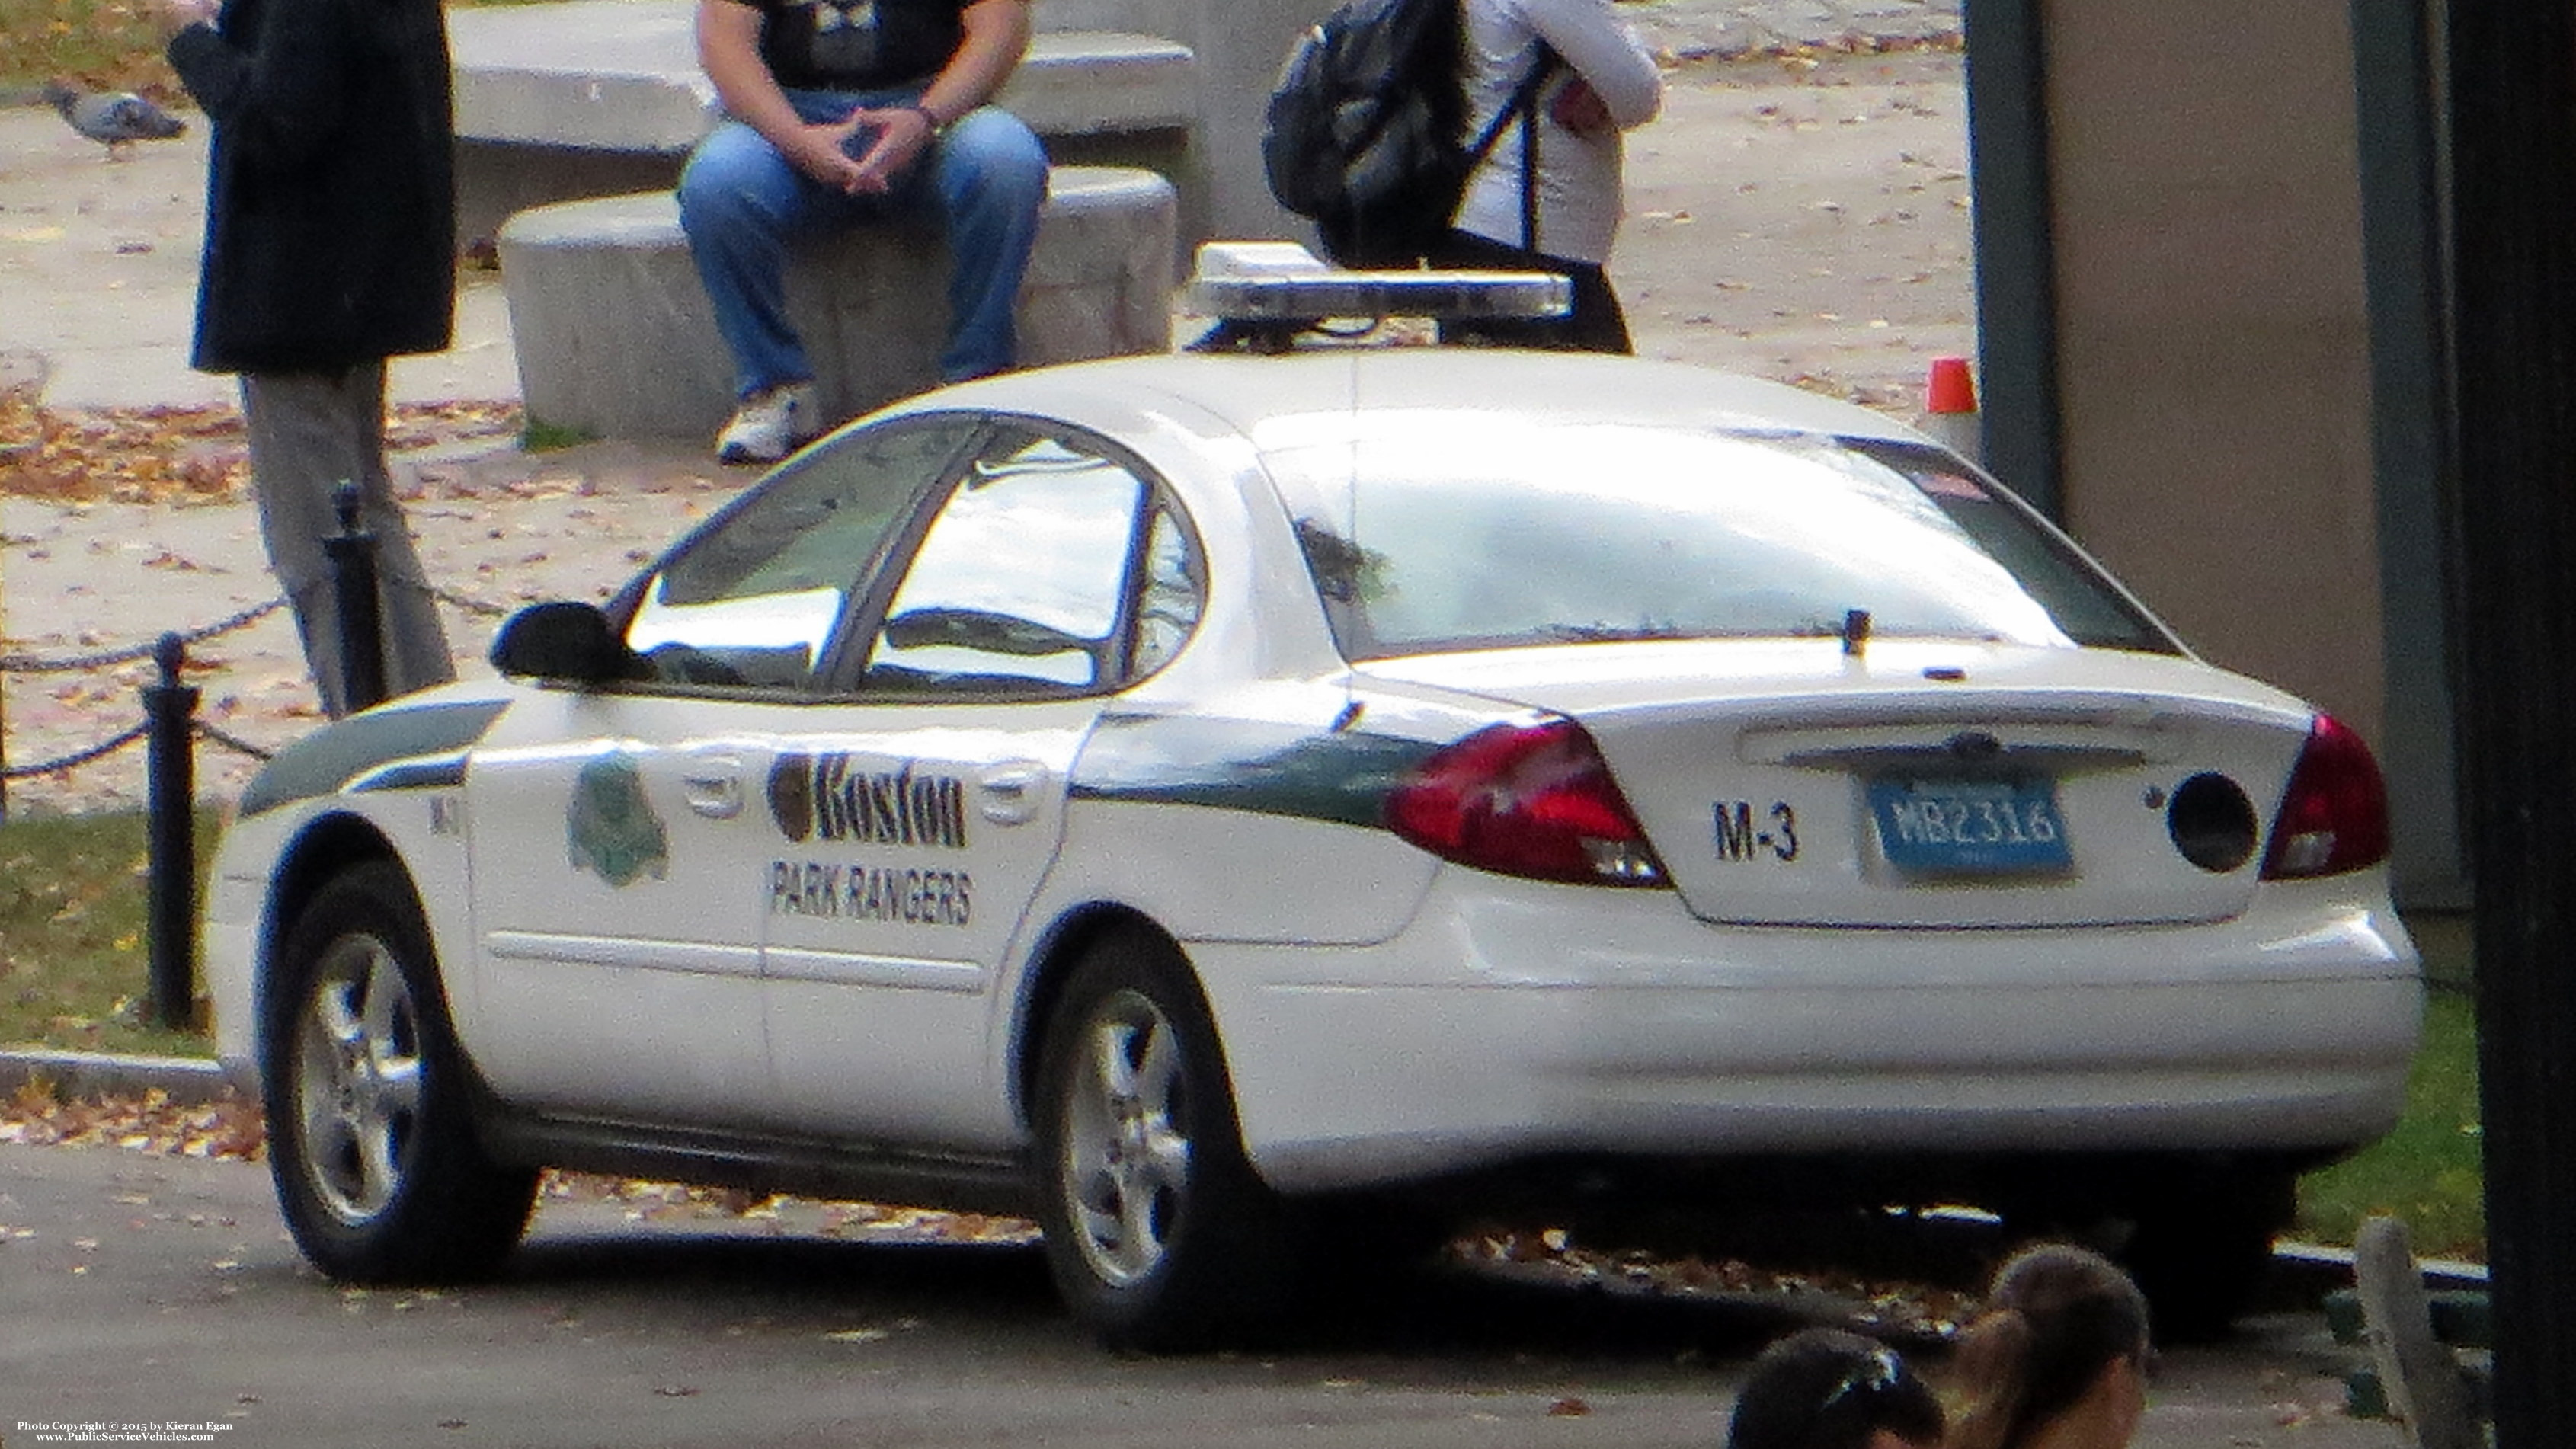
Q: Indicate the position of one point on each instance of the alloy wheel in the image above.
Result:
(1126, 1143)
(358, 1079)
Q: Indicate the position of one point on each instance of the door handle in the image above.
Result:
(717, 797)
(1011, 792)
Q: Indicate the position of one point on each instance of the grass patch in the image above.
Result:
(96, 44)
(101, 44)
(75, 972)
(2429, 1172)
(541, 436)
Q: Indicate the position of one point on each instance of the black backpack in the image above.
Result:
(1363, 130)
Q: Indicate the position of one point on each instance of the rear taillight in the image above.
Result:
(1527, 800)
(2334, 817)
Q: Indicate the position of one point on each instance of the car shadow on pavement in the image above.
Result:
(792, 1273)
(1003, 1288)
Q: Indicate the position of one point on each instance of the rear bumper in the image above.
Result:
(1513, 1022)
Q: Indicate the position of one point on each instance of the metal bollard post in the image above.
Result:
(353, 578)
(169, 710)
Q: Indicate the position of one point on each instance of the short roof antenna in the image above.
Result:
(1855, 631)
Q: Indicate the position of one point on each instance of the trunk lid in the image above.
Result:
(1921, 784)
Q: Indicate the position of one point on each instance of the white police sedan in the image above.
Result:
(1217, 804)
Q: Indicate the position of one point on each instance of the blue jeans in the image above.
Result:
(741, 202)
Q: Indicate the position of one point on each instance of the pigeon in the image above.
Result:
(113, 118)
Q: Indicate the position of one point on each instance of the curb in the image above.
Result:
(190, 1081)
(2332, 1267)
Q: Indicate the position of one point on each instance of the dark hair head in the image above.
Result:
(1827, 1389)
(2056, 1318)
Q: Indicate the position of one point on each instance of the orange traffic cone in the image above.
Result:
(1950, 410)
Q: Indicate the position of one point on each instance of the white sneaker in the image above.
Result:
(770, 424)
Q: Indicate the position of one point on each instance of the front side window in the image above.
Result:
(755, 597)
(1052, 568)
(1438, 533)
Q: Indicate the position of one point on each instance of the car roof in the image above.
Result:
(1247, 391)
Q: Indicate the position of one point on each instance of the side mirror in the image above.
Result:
(565, 640)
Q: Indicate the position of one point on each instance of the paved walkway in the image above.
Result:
(1692, 29)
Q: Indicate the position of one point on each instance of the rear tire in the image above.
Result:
(379, 1174)
(2198, 1242)
(2203, 1258)
(1159, 1234)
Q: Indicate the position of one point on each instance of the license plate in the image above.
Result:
(1970, 827)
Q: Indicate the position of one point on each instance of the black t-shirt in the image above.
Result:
(857, 45)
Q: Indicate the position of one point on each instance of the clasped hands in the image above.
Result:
(822, 150)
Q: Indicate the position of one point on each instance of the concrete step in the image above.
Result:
(615, 336)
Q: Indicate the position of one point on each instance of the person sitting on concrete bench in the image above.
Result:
(843, 112)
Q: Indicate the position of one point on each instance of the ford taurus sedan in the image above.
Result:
(1205, 802)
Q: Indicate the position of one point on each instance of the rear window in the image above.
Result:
(1454, 532)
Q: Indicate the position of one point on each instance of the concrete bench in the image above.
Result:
(615, 336)
(582, 98)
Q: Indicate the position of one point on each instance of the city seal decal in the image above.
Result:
(827, 797)
(610, 828)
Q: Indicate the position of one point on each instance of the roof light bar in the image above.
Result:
(1282, 282)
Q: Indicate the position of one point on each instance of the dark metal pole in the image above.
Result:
(169, 710)
(2396, 60)
(353, 575)
(2016, 250)
(2511, 98)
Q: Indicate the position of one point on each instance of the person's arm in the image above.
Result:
(1616, 84)
(729, 52)
(281, 103)
(996, 37)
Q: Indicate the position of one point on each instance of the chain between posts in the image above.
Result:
(110, 658)
(170, 729)
(26, 663)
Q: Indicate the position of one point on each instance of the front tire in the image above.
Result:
(1159, 1234)
(379, 1174)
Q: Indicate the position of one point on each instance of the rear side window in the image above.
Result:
(1465, 532)
(1055, 566)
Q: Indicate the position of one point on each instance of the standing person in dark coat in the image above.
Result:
(330, 247)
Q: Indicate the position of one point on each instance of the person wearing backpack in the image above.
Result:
(1549, 196)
